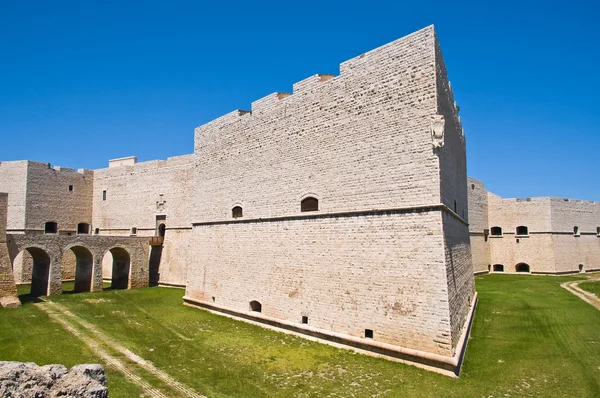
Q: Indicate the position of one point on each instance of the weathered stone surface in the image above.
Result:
(8, 289)
(18, 379)
(562, 235)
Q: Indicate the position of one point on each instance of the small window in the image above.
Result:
(576, 231)
(309, 204)
(104, 195)
(50, 227)
(368, 334)
(473, 186)
(97, 231)
(581, 269)
(70, 188)
(83, 228)
(498, 268)
(522, 230)
(237, 212)
(133, 231)
(496, 231)
(305, 320)
(522, 267)
(455, 206)
(598, 231)
(255, 306)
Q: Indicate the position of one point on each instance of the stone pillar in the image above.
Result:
(8, 288)
(97, 272)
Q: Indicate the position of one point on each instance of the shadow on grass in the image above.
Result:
(28, 298)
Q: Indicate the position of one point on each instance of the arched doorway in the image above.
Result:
(84, 265)
(162, 229)
(118, 261)
(39, 273)
(522, 267)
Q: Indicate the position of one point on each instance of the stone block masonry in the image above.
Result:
(8, 289)
(385, 257)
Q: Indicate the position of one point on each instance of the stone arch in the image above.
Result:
(40, 271)
(522, 267)
(498, 268)
(84, 267)
(120, 267)
(255, 306)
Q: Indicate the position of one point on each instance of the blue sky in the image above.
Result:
(82, 82)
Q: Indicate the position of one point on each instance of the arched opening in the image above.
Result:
(115, 266)
(83, 228)
(84, 266)
(489, 267)
(97, 231)
(39, 271)
(68, 264)
(581, 269)
(576, 230)
(133, 231)
(255, 306)
(496, 231)
(598, 231)
(162, 229)
(50, 227)
(522, 267)
(498, 268)
(236, 212)
(309, 204)
(522, 230)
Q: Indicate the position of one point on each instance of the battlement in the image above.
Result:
(137, 167)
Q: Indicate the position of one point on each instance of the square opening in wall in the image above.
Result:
(305, 320)
(70, 188)
(368, 334)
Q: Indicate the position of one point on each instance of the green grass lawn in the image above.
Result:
(530, 337)
(592, 287)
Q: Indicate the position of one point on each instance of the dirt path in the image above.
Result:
(97, 341)
(588, 297)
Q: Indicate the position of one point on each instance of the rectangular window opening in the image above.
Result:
(368, 334)
(104, 195)
(305, 320)
(70, 188)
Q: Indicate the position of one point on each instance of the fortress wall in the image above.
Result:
(571, 250)
(534, 213)
(358, 141)
(346, 274)
(133, 196)
(459, 273)
(8, 289)
(478, 222)
(49, 197)
(13, 180)
(453, 188)
(534, 250)
(133, 199)
(452, 155)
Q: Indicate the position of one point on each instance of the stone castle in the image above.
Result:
(338, 211)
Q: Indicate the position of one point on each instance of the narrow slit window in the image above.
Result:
(104, 195)
(97, 231)
(70, 188)
(576, 231)
(133, 231)
(237, 212)
(598, 231)
(309, 204)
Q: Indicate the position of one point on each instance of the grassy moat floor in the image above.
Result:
(530, 337)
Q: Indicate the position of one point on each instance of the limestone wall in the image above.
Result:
(58, 194)
(142, 196)
(8, 289)
(478, 224)
(358, 141)
(384, 272)
(13, 180)
(574, 249)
